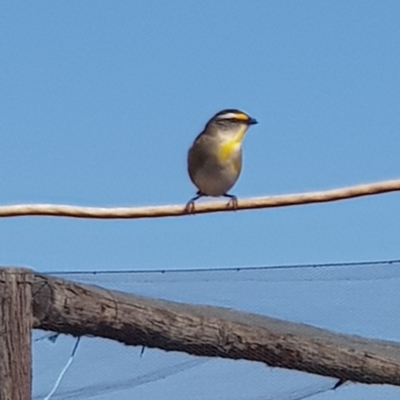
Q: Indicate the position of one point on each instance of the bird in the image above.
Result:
(214, 160)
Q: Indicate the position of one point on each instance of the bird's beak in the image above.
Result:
(252, 121)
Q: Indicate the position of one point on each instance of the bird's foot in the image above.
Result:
(190, 207)
(233, 202)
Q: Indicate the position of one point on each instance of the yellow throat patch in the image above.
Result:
(230, 146)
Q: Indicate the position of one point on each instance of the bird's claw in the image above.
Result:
(232, 203)
(190, 207)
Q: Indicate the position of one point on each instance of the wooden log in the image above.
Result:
(15, 333)
(77, 309)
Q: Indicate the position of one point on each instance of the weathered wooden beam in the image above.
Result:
(76, 309)
(15, 333)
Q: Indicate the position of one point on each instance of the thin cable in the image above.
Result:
(130, 383)
(64, 370)
(55, 210)
(228, 269)
(318, 391)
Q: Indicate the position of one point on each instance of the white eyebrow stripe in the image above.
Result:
(227, 116)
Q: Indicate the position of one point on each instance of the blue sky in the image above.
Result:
(100, 101)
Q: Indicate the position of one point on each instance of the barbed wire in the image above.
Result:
(244, 268)
(200, 208)
(228, 269)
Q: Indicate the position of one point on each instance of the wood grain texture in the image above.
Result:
(67, 307)
(15, 333)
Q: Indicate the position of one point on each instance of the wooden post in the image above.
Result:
(15, 333)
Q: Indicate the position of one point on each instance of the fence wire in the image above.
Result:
(353, 298)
